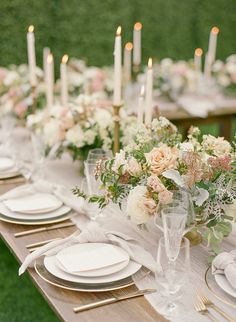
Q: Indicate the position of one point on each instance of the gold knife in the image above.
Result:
(38, 230)
(113, 300)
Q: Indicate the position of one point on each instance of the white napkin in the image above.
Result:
(225, 263)
(196, 106)
(59, 191)
(94, 233)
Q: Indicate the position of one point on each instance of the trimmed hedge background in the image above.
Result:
(85, 28)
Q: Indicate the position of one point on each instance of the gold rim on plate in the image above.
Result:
(34, 223)
(82, 287)
(216, 293)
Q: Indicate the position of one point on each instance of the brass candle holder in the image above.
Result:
(116, 118)
(33, 96)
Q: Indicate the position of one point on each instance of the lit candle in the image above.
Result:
(117, 68)
(64, 85)
(46, 52)
(212, 44)
(137, 43)
(141, 105)
(127, 61)
(31, 56)
(49, 81)
(198, 60)
(149, 93)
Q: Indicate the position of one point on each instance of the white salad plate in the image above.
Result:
(224, 284)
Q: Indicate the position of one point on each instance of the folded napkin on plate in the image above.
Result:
(94, 233)
(225, 263)
(59, 191)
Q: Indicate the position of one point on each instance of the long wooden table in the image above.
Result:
(222, 116)
(63, 301)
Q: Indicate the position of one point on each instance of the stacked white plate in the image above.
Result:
(224, 284)
(8, 169)
(93, 265)
(33, 209)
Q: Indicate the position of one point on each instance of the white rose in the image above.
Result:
(133, 167)
(89, 136)
(10, 78)
(75, 136)
(103, 118)
(52, 132)
(224, 80)
(135, 205)
(119, 161)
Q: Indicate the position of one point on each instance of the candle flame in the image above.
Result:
(198, 52)
(142, 91)
(49, 58)
(31, 28)
(150, 63)
(138, 26)
(215, 30)
(118, 31)
(129, 46)
(64, 59)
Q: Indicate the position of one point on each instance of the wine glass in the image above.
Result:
(97, 154)
(171, 279)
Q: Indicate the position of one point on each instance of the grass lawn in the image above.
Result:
(19, 299)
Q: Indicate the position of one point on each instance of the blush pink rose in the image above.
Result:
(165, 196)
(162, 158)
(155, 184)
(150, 205)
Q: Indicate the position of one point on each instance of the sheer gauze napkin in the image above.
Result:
(94, 233)
(44, 186)
(225, 263)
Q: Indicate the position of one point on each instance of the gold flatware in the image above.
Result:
(208, 303)
(201, 308)
(38, 230)
(112, 300)
(38, 244)
(13, 180)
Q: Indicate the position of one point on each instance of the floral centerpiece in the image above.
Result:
(15, 91)
(157, 162)
(83, 126)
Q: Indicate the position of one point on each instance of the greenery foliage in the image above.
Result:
(85, 29)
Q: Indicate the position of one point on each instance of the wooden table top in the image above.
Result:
(62, 301)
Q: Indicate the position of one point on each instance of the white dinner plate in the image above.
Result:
(37, 203)
(224, 284)
(14, 172)
(6, 164)
(51, 264)
(92, 259)
(15, 215)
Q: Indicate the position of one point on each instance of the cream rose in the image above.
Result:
(162, 158)
(133, 167)
(139, 207)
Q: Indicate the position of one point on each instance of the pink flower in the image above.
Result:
(165, 196)
(3, 73)
(97, 83)
(20, 109)
(162, 158)
(150, 205)
(220, 163)
(155, 184)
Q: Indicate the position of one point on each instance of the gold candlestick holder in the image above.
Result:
(33, 96)
(116, 128)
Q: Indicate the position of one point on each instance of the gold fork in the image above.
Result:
(207, 302)
(201, 308)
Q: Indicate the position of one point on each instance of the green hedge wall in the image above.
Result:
(85, 28)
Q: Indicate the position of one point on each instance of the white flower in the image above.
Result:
(135, 205)
(133, 167)
(52, 132)
(224, 80)
(10, 78)
(217, 66)
(218, 146)
(89, 136)
(186, 146)
(75, 136)
(119, 161)
(103, 118)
